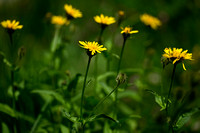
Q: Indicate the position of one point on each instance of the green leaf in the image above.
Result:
(116, 56)
(9, 111)
(64, 129)
(5, 60)
(108, 44)
(107, 128)
(184, 118)
(69, 117)
(159, 100)
(56, 40)
(5, 128)
(95, 117)
(105, 75)
(57, 96)
(131, 94)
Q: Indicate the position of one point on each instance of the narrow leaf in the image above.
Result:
(95, 117)
(54, 94)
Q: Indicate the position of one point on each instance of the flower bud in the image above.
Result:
(21, 52)
(121, 78)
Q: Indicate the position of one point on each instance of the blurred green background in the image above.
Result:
(141, 60)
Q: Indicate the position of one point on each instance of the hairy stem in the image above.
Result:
(83, 90)
(170, 88)
(118, 69)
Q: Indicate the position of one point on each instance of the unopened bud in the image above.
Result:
(21, 52)
(121, 78)
(121, 13)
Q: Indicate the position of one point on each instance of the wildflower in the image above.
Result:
(59, 20)
(151, 21)
(11, 26)
(177, 55)
(104, 20)
(127, 31)
(121, 13)
(72, 12)
(92, 47)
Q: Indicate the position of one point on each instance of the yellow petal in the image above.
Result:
(183, 66)
(175, 61)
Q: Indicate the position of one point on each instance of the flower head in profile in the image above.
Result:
(72, 12)
(127, 31)
(177, 55)
(92, 47)
(11, 26)
(59, 20)
(151, 21)
(104, 20)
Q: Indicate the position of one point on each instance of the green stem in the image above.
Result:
(35, 125)
(83, 90)
(13, 79)
(100, 35)
(102, 101)
(118, 69)
(170, 88)
(96, 60)
(121, 54)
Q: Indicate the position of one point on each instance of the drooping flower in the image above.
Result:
(151, 21)
(72, 12)
(127, 31)
(104, 20)
(177, 55)
(11, 26)
(59, 20)
(92, 47)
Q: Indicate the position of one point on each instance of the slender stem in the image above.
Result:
(100, 35)
(83, 90)
(118, 69)
(39, 116)
(170, 88)
(102, 101)
(96, 60)
(121, 54)
(13, 80)
(95, 72)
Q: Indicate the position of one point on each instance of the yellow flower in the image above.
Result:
(153, 22)
(11, 25)
(59, 20)
(104, 20)
(177, 55)
(121, 13)
(92, 47)
(128, 30)
(72, 12)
